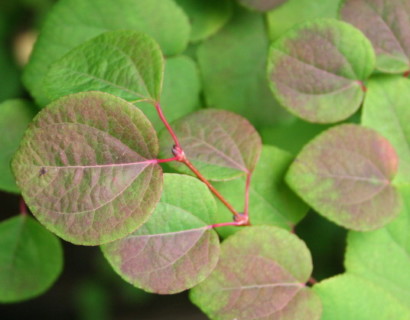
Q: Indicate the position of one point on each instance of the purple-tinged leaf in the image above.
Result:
(345, 174)
(260, 275)
(262, 5)
(221, 144)
(87, 168)
(317, 70)
(174, 250)
(387, 25)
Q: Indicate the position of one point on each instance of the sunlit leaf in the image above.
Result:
(31, 259)
(315, 73)
(206, 17)
(221, 144)
(386, 24)
(260, 275)
(15, 115)
(345, 174)
(386, 109)
(127, 64)
(262, 5)
(174, 250)
(271, 202)
(87, 168)
(72, 22)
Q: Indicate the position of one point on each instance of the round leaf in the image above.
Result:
(345, 174)
(386, 24)
(127, 64)
(174, 250)
(220, 144)
(31, 259)
(87, 168)
(262, 5)
(15, 115)
(317, 70)
(261, 274)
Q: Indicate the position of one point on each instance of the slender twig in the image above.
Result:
(23, 207)
(167, 125)
(247, 188)
(225, 224)
(166, 160)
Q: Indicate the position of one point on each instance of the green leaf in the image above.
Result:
(15, 115)
(233, 68)
(386, 110)
(127, 64)
(293, 12)
(174, 250)
(261, 274)
(271, 202)
(262, 5)
(386, 24)
(345, 174)
(349, 297)
(72, 22)
(31, 259)
(87, 168)
(206, 17)
(314, 72)
(220, 144)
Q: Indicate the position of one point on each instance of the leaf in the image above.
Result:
(233, 68)
(345, 174)
(180, 94)
(174, 250)
(293, 12)
(72, 22)
(262, 5)
(15, 115)
(127, 64)
(386, 110)
(261, 274)
(271, 202)
(349, 297)
(314, 72)
(31, 259)
(386, 24)
(220, 144)
(87, 168)
(206, 17)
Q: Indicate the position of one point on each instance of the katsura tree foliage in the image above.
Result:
(146, 142)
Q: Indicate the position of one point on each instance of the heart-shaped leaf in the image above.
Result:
(175, 249)
(345, 174)
(87, 168)
(271, 202)
(206, 17)
(15, 115)
(386, 24)
(386, 109)
(260, 275)
(317, 70)
(72, 22)
(31, 259)
(127, 64)
(262, 5)
(221, 144)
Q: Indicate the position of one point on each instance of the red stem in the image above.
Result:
(225, 224)
(247, 188)
(167, 160)
(312, 281)
(23, 207)
(165, 121)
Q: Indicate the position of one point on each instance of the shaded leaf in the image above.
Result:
(206, 17)
(314, 72)
(15, 115)
(174, 250)
(220, 144)
(386, 109)
(233, 68)
(345, 174)
(72, 22)
(386, 24)
(261, 274)
(31, 259)
(87, 168)
(271, 202)
(127, 64)
(262, 5)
